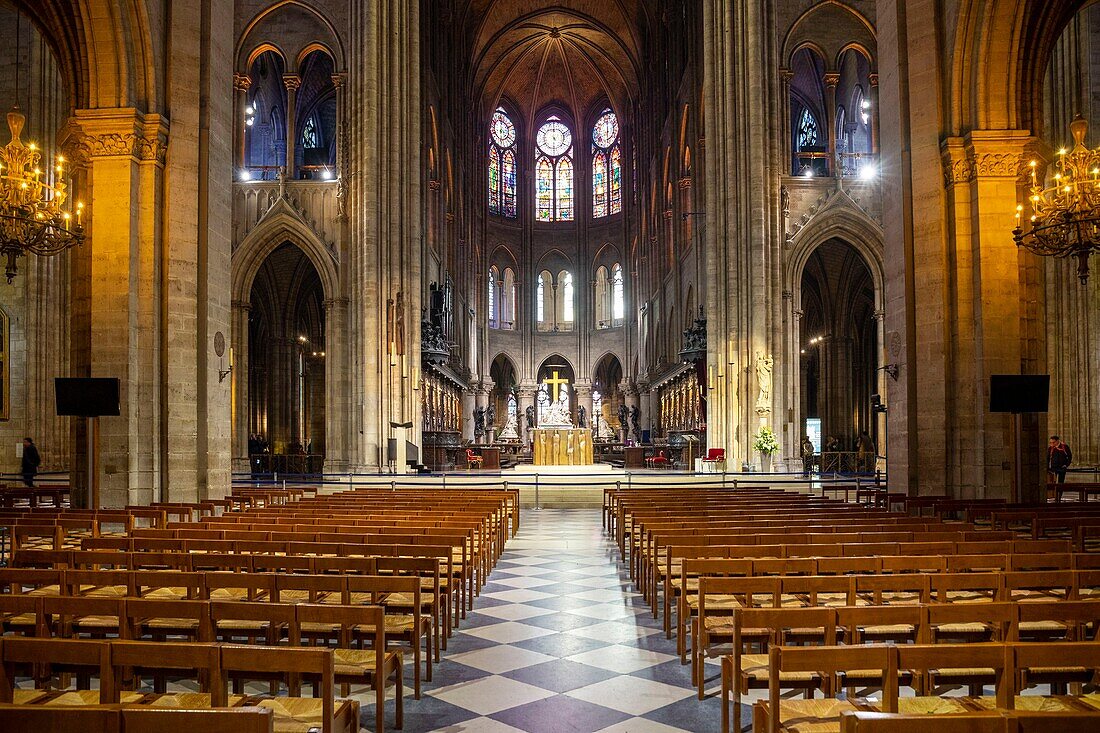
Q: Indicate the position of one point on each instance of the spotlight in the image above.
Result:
(245, 175)
(868, 172)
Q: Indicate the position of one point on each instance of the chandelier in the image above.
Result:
(1065, 216)
(33, 214)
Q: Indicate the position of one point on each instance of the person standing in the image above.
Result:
(1059, 456)
(866, 448)
(31, 461)
(807, 456)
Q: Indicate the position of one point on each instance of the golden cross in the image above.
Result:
(556, 382)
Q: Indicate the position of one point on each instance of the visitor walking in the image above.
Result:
(31, 461)
(1059, 456)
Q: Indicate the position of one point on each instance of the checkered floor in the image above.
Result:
(558, 641)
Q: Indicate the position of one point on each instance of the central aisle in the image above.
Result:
(558, 642)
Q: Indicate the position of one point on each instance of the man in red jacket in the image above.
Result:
(1059, 457)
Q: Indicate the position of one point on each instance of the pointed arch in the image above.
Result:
(279, 227)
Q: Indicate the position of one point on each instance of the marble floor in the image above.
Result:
(558, 641)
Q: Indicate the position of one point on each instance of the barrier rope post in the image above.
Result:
(393, 486)
(538, 504)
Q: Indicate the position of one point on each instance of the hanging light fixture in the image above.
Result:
(1065, 215)
(34, 215)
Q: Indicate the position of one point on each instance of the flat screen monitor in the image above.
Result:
(1019, 392)
(86, 397)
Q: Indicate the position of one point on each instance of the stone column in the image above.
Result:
(873, 82)
(115, 333)
(647, 417)
(240, 384)
(630, 398)
(785, 76)
(337, 422)
(341, 132)
(584, 399)
(241, 83)
(836, 166)
(384, 208)
(292, 82)
(469, 404)
(527, 392)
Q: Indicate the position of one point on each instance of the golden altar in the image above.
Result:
(562, 446)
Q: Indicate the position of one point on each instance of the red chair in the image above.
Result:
(473, 460)
(717, 458)
(658, 461)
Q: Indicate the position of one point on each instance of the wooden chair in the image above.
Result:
(131, 660)
(409, 628)
(83, 617)
(223, 720)
(324, 710)
(21, 614)
(44, 659)
(742, 672)
(473, 460)
(824, 663)
(716, 457)
(983, 722)
(52, 719)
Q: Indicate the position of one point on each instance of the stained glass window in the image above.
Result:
(504, 132)
(309, 134)
(554, 172)
(618, 301)
(544, 190)
(607, 166)
(606, 132)
(807, 130)
(492, 297)
(502, 165)
(565, 189)
(494, 181)
(565, 282)
(599, 185)
(616, 203)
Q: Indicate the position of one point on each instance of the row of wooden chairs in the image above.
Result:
(743, 671)
(1012, 667)
(991, 721)
(118, 667)
(130, 719)
(409, 619)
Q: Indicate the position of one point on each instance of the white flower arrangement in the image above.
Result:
(765, 441)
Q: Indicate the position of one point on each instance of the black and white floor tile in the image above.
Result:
(559, 642)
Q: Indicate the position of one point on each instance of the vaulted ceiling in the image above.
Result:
(566, 52)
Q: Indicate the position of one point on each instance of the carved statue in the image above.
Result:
(624, 416)
(583, 448)
(582, 414)
(556, 455)
(557, 415)
(635, 428)
(479, 422)
(569, 458)
(529, 413)
(511, 429)
(764, 366)
(542, 447)
(490, 415)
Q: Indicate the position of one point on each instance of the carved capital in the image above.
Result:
(668, 214)
(338, 80)
(872, 79)
(685, 183)
(243, 305)
(958, 166)
(831, 79)
(330, 304)
(241, 82)
(94, 134)
(434, 185)
(292, 82)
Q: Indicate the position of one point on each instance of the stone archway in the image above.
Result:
(838, 346)
(286, 363)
